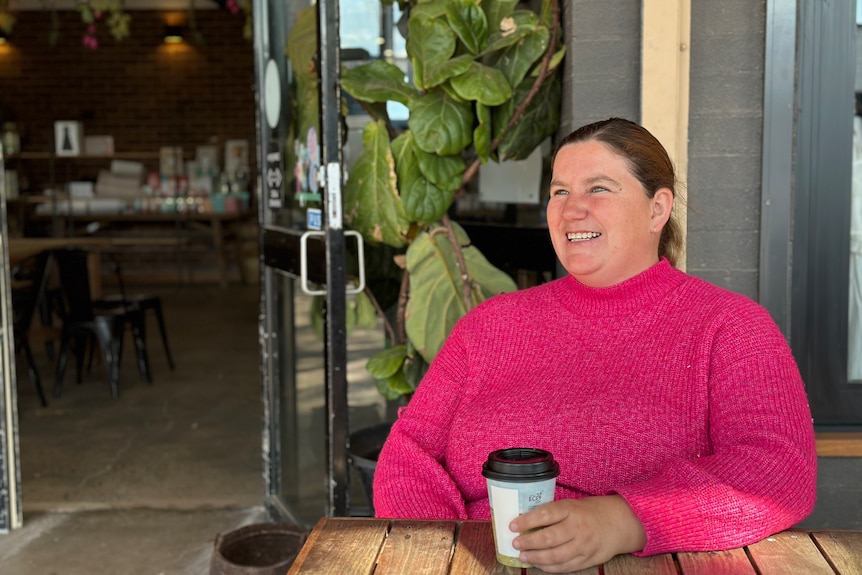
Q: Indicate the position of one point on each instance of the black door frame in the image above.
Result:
(280, 254)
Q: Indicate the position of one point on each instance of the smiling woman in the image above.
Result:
(674, 408)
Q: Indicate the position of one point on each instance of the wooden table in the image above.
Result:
(362, 546)
(220, 228)
(22, 248)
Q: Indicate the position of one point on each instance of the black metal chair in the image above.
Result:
(28, 287)
(146, 302)
(82, 323)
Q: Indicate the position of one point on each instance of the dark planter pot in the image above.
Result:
(258, 549)
(365, 446)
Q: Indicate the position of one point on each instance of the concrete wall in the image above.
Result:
(603, 65)
(602, 79)
(725, 141)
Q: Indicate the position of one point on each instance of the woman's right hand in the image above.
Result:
(571, 534)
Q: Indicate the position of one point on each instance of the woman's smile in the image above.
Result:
(582, 236)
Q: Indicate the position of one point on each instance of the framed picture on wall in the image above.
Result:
(68, 137)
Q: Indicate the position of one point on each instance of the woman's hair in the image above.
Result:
(648, 161)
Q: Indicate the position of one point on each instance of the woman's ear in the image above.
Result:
(662, 204)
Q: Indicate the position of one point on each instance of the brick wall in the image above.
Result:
(144, 93)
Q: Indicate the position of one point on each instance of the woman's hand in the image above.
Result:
(574, 534)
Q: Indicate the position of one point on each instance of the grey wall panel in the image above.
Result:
(602, 63)
(727, 251)
(725, 136)
(739, 281)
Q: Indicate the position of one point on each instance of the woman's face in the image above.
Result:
(603, 226)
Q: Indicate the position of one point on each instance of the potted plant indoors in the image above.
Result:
(484, 86)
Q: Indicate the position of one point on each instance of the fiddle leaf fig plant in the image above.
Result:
(483, 85)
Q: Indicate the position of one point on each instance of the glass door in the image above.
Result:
(312, 358)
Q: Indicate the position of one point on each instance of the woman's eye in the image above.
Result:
(559, 192)
(596, 189)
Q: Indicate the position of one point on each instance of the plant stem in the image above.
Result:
(386, 323)
(462, 263)
(402, 305)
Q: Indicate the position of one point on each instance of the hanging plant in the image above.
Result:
(7, 20)
(93, 11)
(113, 15)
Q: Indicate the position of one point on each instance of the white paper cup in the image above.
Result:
(519, 480)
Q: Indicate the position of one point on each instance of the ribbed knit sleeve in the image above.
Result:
(410, 479)
(679, 396)
(759, 474)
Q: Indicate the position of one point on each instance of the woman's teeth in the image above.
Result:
(582, 236)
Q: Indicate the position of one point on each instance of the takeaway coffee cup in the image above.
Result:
(519, 479)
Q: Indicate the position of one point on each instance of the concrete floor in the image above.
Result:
(143, 484)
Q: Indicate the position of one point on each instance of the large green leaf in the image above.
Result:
(388, 369)
(377, 81)
(428, 9)
(371, 202)
(540, 120)
(430, 44)
(440, 124)
(436, 299)
(387, 362)
(556, 60)
(423, 201)
(482, 133)
(301, 50)
(301, 46)
(445, 172)
(363, 309)
(517, 60)
(484, 84)
(496, 10)
(511, 30)
(469, 23)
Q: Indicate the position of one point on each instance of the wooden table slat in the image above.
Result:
(733, 562)
(417, 547)
(339, 546)
(631, 565)
(473, 554)
(590, 571)
(843, 549)
(788, 552)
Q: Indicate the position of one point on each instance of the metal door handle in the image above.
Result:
(303, 261)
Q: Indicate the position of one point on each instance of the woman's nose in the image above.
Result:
(574, 208)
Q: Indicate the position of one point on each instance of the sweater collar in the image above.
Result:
(634, 294)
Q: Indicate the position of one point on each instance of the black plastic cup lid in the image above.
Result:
(520, 464)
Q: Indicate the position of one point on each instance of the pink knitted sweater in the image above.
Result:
(679, 396)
